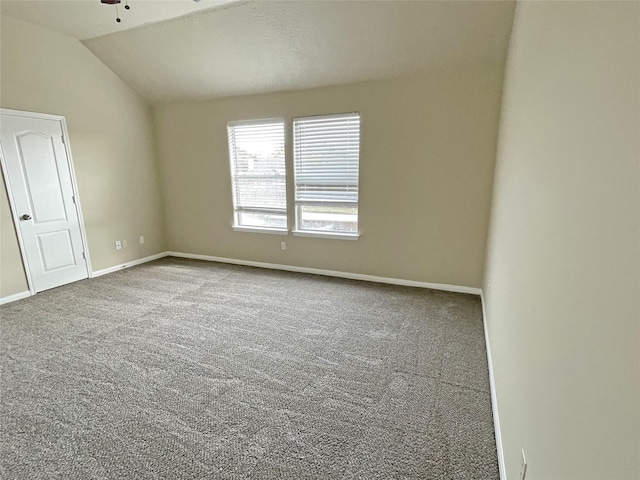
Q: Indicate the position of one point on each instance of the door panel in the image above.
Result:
(40, 170)
(56, 250)
(38, 178)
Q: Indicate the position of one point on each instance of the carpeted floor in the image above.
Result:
(182, 369)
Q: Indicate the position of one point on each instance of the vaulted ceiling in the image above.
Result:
(179, 49)
(83, 19)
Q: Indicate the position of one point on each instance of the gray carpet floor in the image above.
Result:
(182, 369)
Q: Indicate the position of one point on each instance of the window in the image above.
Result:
(258, 174)
(326, 153)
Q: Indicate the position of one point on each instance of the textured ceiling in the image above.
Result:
(267, 46)
(84, 19)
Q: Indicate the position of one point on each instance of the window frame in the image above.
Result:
(299, 204)
(239, 209)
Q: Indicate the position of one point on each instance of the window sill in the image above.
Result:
(332, 235)
(271, 231)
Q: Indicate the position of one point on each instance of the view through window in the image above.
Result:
(258, 173)
(326, 152)
(326, 158)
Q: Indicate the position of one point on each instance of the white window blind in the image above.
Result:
(326, 160)
(258, 174)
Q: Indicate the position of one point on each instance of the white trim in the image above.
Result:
(331, 116)
(24, 113)
(97, 273)
(494, 399)
(331, 273)
(257, 121)
(316, 271)
(132, 263)
(15, 296)
(76, 193)
(332, 235)
(271, 231)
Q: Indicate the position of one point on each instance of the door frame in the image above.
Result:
(74, 186)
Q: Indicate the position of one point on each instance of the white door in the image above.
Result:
(38, 178)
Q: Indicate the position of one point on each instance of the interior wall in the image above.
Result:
(427, 154)
(111, 137)
(12, 276)
(562, 287)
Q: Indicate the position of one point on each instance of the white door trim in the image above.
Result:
(74, 186)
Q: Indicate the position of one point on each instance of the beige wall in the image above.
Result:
(427, 153)
(12, 276)
(111, 138)
(563, 272)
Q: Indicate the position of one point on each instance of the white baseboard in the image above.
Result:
(96, 273)
(331, 273)
(494, 399)
(14, 297)
(275, 266)
(132, 263)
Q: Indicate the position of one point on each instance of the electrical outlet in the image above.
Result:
(283, 245)
(124, 244)
(523, 466)
(141, 238)
(118, 245)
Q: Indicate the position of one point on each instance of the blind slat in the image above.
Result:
(326, 157)
(257, 160)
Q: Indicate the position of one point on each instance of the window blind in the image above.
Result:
(258, 175)
(326, 157)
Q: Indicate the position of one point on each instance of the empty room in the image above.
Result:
(320, 239)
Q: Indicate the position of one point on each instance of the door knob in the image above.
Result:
(26, 216)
